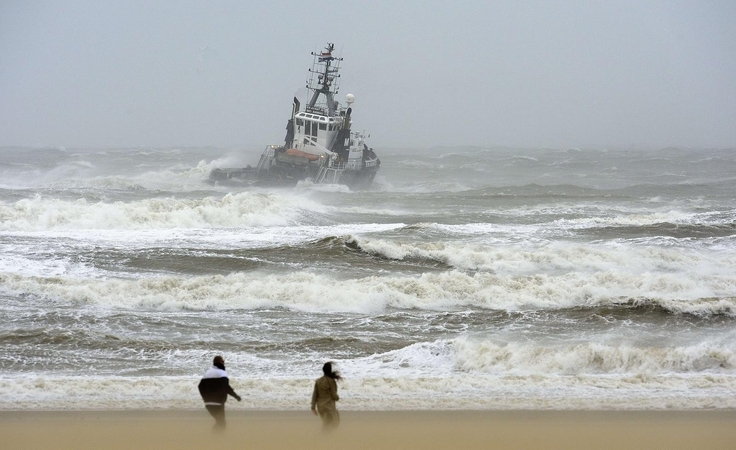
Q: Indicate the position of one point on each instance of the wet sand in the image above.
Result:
(370, 430)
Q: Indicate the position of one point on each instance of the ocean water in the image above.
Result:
(466, 278)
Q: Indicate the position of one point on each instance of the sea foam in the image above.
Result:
(700, 295)
(553, 258)
(462, 373)
(232, 210)
(457, 391)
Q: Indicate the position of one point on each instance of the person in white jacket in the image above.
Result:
(214, 388)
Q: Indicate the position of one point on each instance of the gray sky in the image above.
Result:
(424, 73)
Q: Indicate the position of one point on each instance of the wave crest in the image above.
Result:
(232, 210)
(438, 291)
(590, 358)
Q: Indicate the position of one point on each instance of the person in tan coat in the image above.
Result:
(324, 397)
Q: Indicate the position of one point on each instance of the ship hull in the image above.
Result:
(358, 180)
(283, 175)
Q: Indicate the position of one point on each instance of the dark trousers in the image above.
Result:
(218, 412)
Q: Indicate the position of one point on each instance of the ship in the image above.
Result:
(320, 146)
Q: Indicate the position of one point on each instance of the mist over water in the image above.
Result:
(465, 278)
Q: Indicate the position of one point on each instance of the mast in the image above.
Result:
(323, 79)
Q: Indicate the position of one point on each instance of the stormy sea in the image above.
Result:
(465, 278)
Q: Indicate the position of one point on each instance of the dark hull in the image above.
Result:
(288, 176)
(358, 180)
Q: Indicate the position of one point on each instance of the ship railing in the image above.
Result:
(371, 163)
(321, 175)
(266, 157)
(331, 173)
(316, 110)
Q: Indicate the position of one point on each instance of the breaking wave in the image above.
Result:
(674, 293)
(553, 258)
(590, 358)
(474, 374)
(232, 210)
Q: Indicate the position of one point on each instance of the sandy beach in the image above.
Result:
(370, 430)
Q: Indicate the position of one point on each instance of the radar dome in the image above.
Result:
(349, 99)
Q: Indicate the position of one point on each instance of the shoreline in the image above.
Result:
(272, 429)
